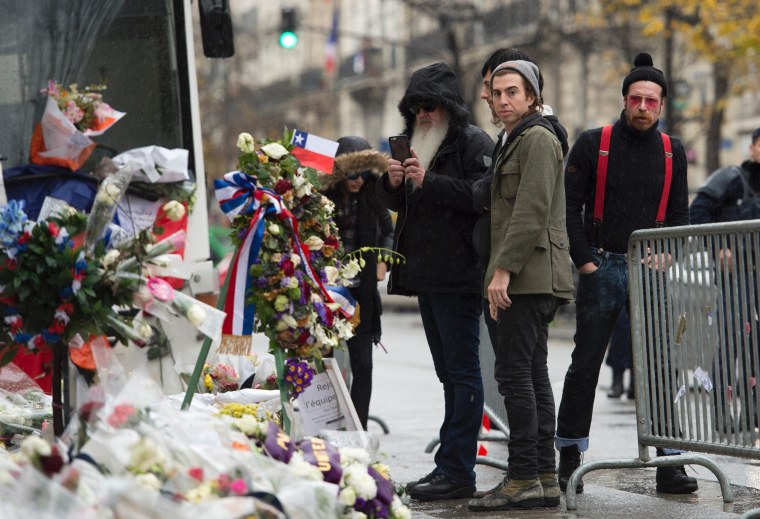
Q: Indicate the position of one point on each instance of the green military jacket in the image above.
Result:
(528, 232)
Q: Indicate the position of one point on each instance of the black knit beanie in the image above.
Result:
(643, 70)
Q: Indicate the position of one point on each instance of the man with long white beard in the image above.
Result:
(432, 194)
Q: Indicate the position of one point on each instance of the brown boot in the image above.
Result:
(551, 488)
(512, 493)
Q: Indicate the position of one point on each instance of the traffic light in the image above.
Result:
(288, 26)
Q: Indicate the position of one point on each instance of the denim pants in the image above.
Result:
(452, 328)
(600, 297)
(523, 378)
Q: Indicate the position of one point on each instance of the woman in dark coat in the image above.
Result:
(362, 222)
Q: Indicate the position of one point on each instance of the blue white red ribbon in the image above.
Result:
(238, 194)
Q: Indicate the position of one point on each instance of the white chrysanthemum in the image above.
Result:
(292, 282)
(145, 454)
(34, 446)
(347, 496)
(149, 481)
(359, 479)
(354, 455)
(275, 150)
(248, 425)
(245, 143)
(332, 274)
(200, 493)
(398, 510)
(276, 257)
(303, 468)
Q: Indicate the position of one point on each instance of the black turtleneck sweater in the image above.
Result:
(635, 175)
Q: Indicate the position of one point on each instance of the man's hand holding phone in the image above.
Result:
(404, 163)
(400, 151)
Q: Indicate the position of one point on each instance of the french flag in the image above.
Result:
(332, 44)
(313, 151)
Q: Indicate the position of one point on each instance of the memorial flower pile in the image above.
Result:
(63, 279)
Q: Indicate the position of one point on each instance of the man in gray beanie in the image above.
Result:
(638, 158)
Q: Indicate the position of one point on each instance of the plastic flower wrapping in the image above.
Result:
(295, 269)
(130, 452)
(72, 116)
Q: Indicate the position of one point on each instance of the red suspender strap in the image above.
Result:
(666, 184)
(601, 173)
(601, 183)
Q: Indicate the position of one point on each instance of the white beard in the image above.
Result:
(426, 140)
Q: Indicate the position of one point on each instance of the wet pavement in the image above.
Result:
(407, 397)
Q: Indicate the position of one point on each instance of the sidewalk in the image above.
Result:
(408, 398)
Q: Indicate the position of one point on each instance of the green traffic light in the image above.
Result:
(288, 40)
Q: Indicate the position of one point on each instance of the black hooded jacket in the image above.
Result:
(435, 223)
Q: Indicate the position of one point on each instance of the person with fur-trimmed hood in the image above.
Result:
(362, 222)
(432, 193)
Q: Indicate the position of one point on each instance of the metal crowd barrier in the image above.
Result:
(493, 407)
(695, 328)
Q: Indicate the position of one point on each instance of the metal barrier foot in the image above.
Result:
(660, 461)
(380, 422)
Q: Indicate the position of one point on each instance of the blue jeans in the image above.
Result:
(452, 328)
(523, 378)
(600, 297)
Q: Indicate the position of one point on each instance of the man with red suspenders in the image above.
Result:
(618, 179)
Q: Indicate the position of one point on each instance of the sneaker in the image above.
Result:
(673, 480)
(551, 488)
(440, 487)
(423, 479)
(511, 493)
(569, 460)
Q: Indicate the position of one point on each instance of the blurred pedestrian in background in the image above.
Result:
(618, 179)
(620, 357)
(362, 222)
(733, 194)
(529, 275)
(432, 193)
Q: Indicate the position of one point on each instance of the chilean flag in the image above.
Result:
(314, 152)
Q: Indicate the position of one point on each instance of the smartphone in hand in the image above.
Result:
(400, 149)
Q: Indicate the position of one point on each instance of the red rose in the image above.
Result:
(54, 229)
(282, 186)
(288, 268)
(11, 263)
(331, 241)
